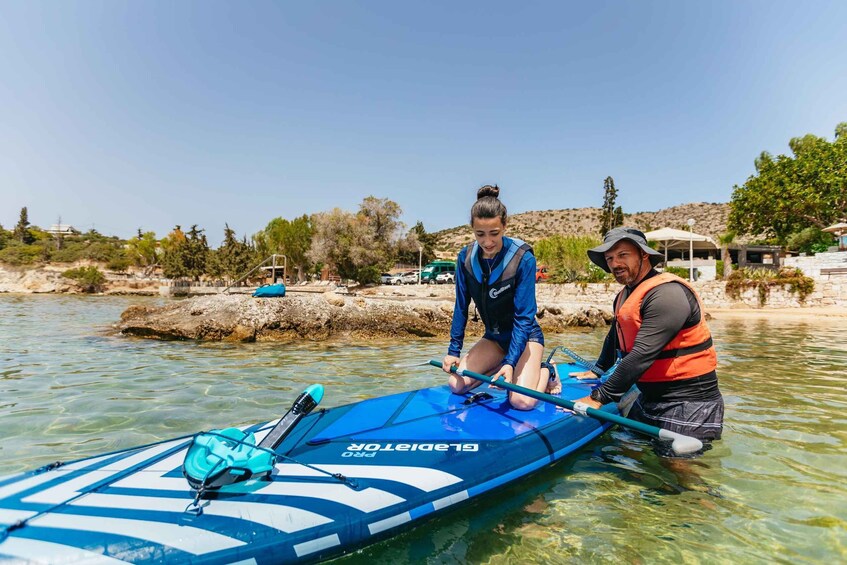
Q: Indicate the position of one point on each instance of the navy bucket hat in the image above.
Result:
(613, 237)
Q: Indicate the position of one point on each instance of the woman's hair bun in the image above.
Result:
(488, 190)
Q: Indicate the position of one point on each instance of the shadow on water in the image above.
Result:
(549, 517)
(476, 532)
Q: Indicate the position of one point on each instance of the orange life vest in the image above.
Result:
(689, 354)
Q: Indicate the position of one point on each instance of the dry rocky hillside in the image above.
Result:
(711, 220)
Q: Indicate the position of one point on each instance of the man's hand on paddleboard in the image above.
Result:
(589, 401)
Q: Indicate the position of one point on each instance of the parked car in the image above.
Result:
(388, 278)
(410, 277)
(446, 277)
(541, 273)
(433, 269)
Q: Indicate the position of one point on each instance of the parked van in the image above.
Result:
(433, 269)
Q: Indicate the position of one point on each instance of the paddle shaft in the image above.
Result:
(304, 404)
(681, 444)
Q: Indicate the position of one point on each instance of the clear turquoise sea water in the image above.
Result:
(775, 489)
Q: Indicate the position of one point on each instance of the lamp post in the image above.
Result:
(691, 223)
(420, 261)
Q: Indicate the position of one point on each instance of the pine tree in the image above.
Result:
(197, 252)
(607, 218)
(618, 219)
(232, 258)
(173, 258)
(22, 232)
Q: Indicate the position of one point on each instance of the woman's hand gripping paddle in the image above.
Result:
(680, 444)
(222, 457)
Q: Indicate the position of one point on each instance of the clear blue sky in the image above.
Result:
(123, 115)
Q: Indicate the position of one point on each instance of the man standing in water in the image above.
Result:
(660, 330)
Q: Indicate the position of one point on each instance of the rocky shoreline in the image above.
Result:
(48, 279)
(316, 312)
(319, 317)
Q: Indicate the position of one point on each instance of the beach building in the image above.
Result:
(688, 249)
(63, 229)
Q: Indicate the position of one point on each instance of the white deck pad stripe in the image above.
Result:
(68, 489)
(421, 478)
(86, 462)
(25, 484)
(71, 488)
(383, 525)
(366, 500)
(34, 551)
(311, 546)
(34, 481)
(154, 481)
(280, 517)
(143, 455)
(450, 500)
(9, 517)
(168, 464)
(185, 538)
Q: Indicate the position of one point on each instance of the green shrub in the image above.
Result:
(681, 272)
(119, 264)
(89, 279)
(90, 247)
(765, 279)
(67, 254)
(567, 260)
(810, 240)
(595, 274)
(369, 274)
(18, 254)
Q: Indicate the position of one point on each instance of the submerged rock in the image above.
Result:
(318, 317)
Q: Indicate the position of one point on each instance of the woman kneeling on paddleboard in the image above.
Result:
(498, 273)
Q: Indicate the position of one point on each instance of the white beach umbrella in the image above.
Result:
(839, 230)
(670, 238)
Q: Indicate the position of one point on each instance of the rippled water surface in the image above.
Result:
(775, 488)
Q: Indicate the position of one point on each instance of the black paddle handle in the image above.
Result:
(302, 406)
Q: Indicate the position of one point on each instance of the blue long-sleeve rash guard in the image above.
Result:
(525, 306)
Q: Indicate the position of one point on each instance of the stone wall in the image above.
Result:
(812, 265)
(829, 291)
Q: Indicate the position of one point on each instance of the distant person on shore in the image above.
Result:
(498, 273)
(660, 330)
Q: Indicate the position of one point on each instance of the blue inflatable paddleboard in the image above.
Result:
(351, 476)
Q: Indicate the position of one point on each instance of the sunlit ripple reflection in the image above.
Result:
(774, 489)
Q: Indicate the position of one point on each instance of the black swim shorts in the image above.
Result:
(703, 420)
